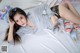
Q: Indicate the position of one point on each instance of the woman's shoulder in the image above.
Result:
(25, 30)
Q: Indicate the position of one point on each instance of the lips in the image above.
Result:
(23, 24)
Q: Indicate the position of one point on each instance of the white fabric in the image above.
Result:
(24, 4)
(28, 4)
(3, 26)
(3, 3)
(44, 40)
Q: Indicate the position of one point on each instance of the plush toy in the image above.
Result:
(4, 13)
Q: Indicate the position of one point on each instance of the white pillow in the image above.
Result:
(28, 4)
(24, 4)
(51, 2)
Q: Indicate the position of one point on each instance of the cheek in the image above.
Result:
(24, 20)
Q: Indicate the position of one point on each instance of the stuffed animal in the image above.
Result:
(4, 13)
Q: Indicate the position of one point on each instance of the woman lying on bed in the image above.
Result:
(34, 42)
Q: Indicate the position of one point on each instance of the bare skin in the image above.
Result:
(68, 12)
(10, 34)
(71, 7)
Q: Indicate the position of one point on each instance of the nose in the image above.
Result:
(20, 21)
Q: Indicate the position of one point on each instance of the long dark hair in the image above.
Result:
(12, 13)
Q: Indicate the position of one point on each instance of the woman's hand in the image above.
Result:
(11, 22)
(10, 34)
(54, 20)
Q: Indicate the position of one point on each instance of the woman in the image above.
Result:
(40, 39)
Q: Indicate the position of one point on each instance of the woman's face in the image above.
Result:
(20, 20)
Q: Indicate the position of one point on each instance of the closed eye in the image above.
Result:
(21, 17)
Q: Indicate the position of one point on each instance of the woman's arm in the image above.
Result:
(54, 20)
(10, 33)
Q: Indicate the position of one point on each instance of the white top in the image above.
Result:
(39, 16)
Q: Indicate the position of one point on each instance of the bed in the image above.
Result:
(18, 48)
